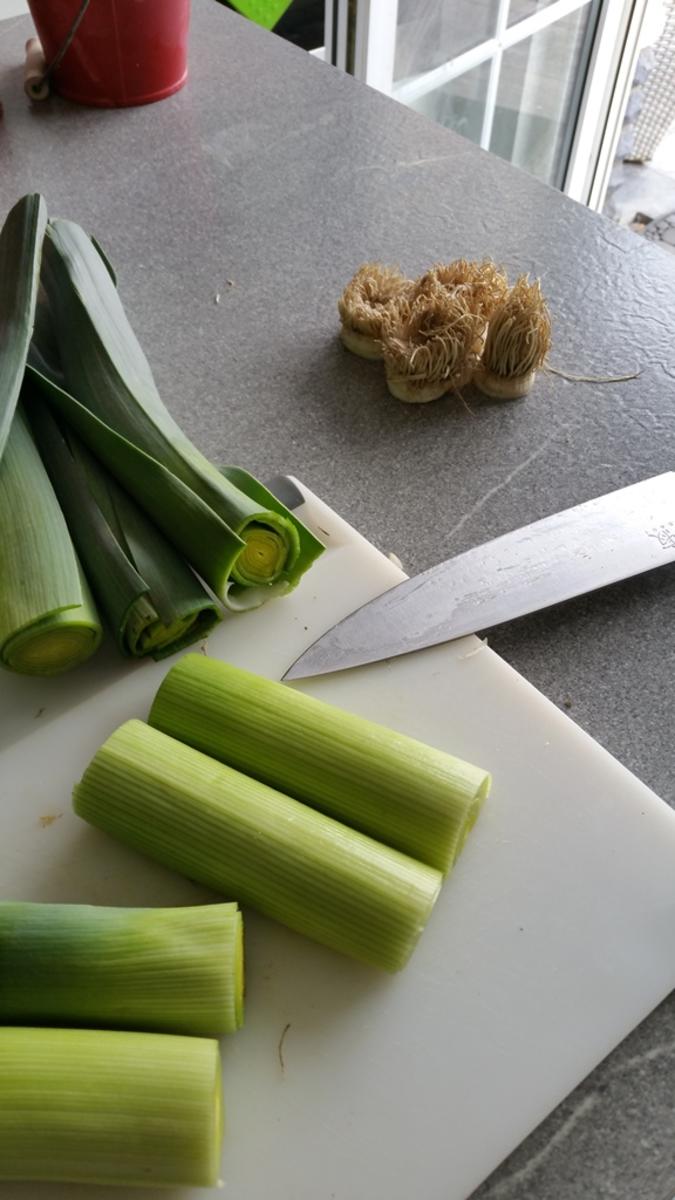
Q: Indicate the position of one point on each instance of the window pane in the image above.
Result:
(431, 32)
(519, 9)
(459, 104)
(538, 96)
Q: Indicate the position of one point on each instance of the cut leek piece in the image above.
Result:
(20, 253)
(172, 970)
(48, 622)
(411, 796)
(245, 840)
(102, 1107)
(153, 602)
(106, 371)
(310, 547)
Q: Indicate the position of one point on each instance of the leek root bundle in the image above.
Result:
(458, 323)
(172, 970)
(517, 343)
(431, 346)
(367, 301)
(481, 284)
(392, 787)
(102, 1107)
(245, 840)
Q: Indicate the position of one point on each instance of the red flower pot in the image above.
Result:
(124, 51)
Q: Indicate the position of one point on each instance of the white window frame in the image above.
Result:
(603, 104)
(605, 91)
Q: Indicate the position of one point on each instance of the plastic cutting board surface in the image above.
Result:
(553, 937)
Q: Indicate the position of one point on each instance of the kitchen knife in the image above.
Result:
(573, 552)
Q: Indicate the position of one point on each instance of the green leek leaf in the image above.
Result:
(20, 252)
(194, 528)
(107, 372)
(153, 602)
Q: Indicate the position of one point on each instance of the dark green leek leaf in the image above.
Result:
(20, 252)
(104, 258)
(202, 538)
(107, 372)
(153, 602)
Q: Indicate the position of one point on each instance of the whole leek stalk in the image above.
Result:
(153, 602)
(172, 970)
(243, 839)
(20, 254)
(48, 622)
(102, 1107)
(409, 795)
(106, 371)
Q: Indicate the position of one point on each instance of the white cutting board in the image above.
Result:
(553, 937)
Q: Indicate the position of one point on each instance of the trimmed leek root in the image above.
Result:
(517, 342)
(92, 1106)
(396, 789)
(243, 839)
(48, 623)
(481, 284)
(370, 296)
(176, 970)
(431, 346)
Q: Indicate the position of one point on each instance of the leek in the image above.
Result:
(102, 1107)
(20, 252)
(173, 970)
(194, 528)
(411, 796)
(153, 602)
(48, 622)
(245, 840)
(107, 372)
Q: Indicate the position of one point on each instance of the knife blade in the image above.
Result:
(557, 558)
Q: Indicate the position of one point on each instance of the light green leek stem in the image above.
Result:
(247, 841)
(94, 1106)
(48, 622)
(418, 799)
(176, 970)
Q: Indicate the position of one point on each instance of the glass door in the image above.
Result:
(534, 81)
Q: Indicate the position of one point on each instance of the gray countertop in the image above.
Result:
(266, 182)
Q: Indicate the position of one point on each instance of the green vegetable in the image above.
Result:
(153, 602)
(245, 840)
(48, 622)
(418, 799)
(173, 970)
(100, 1107)
(20, 251)
(261, 550)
